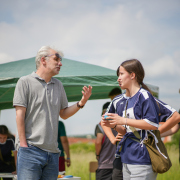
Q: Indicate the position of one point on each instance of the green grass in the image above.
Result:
(82, 154)
(173, 173)
(173, 151)
(80, 165)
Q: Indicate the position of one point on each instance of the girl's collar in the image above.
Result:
(135, 93)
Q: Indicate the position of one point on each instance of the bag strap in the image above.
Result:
(132, 128)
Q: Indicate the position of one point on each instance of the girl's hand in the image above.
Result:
(118, 138)
(113, 119)
(107, 123)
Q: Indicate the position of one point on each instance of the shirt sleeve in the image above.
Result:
(98, 129)
(64, 101)
(110, 108)
(165, 111)
(150, 111)
(20, 94)
(10, 142)
(13, 145)
(61, 129)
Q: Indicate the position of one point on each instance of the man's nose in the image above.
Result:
(60, 63)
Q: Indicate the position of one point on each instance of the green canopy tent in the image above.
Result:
(73, 74)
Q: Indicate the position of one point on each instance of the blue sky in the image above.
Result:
(99, 32)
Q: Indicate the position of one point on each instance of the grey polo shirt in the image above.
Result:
(43, 102)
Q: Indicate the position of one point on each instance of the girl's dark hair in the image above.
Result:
(134, 65)
(4, 130)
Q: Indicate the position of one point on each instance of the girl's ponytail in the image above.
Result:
(145, 87)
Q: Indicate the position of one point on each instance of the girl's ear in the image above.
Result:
(133, 75)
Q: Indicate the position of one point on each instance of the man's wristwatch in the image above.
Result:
(79, 105)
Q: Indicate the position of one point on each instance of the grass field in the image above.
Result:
(82, 154)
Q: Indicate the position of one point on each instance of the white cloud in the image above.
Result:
(164, 65)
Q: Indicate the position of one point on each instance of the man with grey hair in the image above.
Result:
(39, 100)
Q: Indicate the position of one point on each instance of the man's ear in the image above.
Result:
(43, 60)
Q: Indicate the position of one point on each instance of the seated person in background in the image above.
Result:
(104, 151)
(7, 161)
(63, 145)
